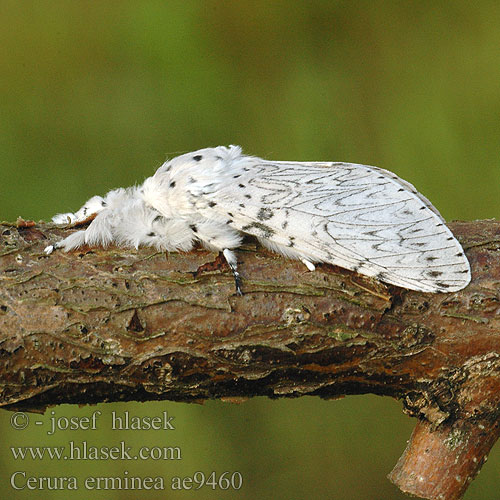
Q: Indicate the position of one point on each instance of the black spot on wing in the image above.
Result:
(443, 285)
(197, 158)
(265, 214)
(434, 274)
(212, 204)
(259, 229)
(172, 184)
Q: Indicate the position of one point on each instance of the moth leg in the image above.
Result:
(92, 206)
(309, 264)
(74, 240)
(232, 261)
(50, 248)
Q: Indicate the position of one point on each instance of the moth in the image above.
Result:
(354, 216)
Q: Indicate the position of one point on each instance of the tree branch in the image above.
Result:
(121, 325)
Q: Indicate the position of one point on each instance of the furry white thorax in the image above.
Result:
(355, 216)
(176, 188)
(183, 187)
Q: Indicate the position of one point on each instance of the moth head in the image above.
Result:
(129, 221)
(125, 220)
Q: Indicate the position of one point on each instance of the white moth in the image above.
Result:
(357, 217)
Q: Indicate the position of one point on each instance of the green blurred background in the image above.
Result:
(95, 95)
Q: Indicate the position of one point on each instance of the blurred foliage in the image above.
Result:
(96, 95)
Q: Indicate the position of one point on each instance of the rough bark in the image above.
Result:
(117, 324)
